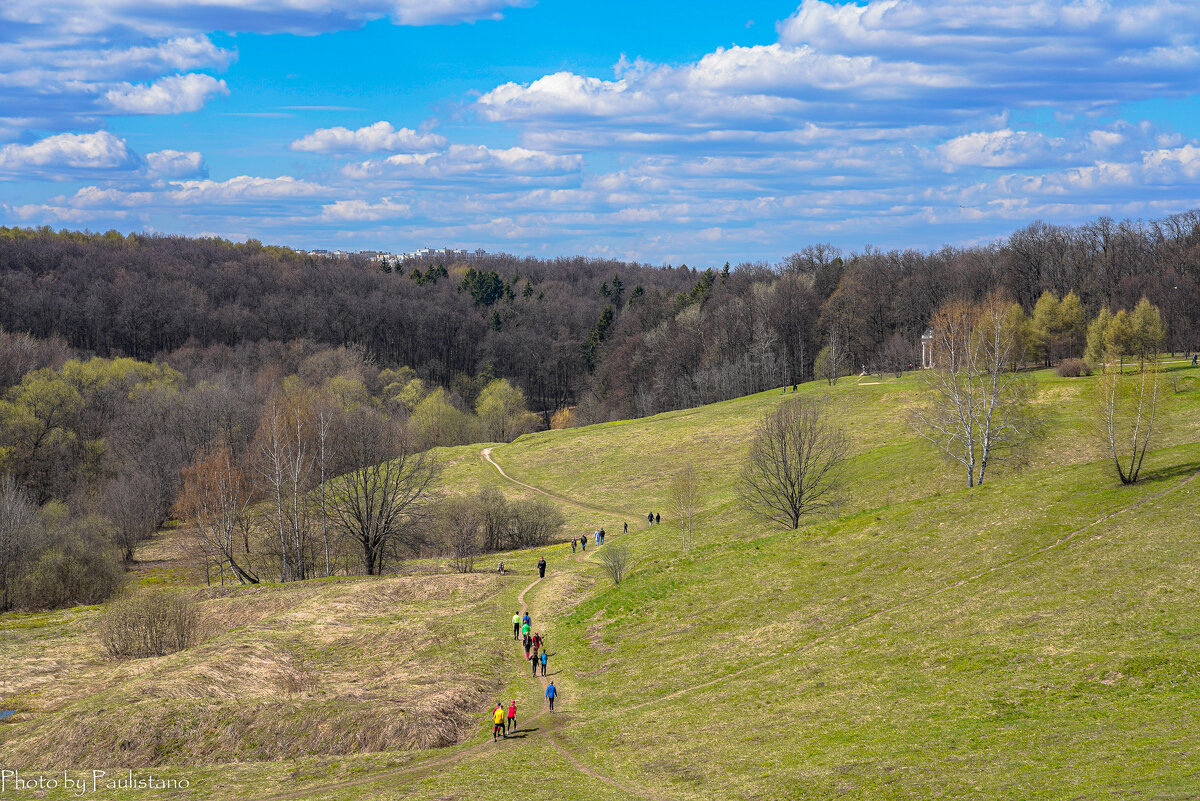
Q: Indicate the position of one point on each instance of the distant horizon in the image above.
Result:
(703, 133)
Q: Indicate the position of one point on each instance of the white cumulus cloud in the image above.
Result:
(175, 164)
(375, 138)
(171, 95)
(90, 151)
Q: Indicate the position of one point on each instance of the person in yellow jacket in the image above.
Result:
(498, 720)
(516, 624)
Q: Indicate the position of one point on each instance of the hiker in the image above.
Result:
(657, 518)
(537, 640)
(528, 642)
(533, 663)
(525, 637)
(626, 529)
(526, 619)
(784, 391)
(498, 720)
(793, 387)
(1193, 360)
(536, 643)
(516, 625)
(542, 567)
(596, 536)
(545, 656)
(574, 544)
(512, 715)
(650, 519)
(551, 694)
(583, 542)
(601, 536)
(500, 569)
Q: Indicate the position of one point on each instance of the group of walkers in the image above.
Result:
(535, 644)
(538, 657)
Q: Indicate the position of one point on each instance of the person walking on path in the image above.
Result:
(583, 542)
(657, 518)
(574, 544)
(650, 520)
(535, 654)
(545, 656)
(538, 640)
(542, 567)
(596, 536)
(516, 625)
(526, 619)
(601, 536)
(512, 715)
(533, 663)
(551, 694)
(498, 720)
(626, 529)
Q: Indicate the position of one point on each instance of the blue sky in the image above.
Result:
(662, 132)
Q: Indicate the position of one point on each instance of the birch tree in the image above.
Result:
(684, 491)
(976, 409)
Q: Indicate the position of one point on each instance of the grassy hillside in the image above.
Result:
(1034, 637)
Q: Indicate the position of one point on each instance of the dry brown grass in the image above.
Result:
(315, 668)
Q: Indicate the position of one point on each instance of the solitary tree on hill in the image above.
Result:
(795, 465)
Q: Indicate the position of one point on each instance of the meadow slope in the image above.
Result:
(1031, 638)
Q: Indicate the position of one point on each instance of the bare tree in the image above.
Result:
(216, 497)
(1127, 405)
(379, 501)
(616, 561)
(284, 464)
(324, 418)
(461, 523)
(683, 493)
(832, 361)
(795, 463)
(976, 410)
(131, 505)
(18, 530)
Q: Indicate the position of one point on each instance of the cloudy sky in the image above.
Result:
(701, 132)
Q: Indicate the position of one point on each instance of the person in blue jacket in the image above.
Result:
(551, 694)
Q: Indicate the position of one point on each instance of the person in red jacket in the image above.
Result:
(512, 715)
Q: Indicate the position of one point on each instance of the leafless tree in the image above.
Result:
(131, 504)
(378, 502)
(616, 561)
(461, 523)
(1128, 406)
(685, 488)
(795, 465)
(976, 410)
(216, 497)
(18, 531)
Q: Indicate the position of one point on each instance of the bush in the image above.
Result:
(1073, 368)
(69, 574)
(533, 523)
(616, 561)
(149, 623)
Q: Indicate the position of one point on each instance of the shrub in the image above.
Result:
(69, 574)
(533, 523)
(616, 561)
(1073, 368)
(149, 623)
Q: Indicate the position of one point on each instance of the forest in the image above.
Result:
(149, 377)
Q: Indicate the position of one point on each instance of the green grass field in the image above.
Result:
(1036, 637)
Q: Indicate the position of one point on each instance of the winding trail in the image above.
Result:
(486, 453)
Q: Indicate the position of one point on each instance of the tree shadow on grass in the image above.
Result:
(1168, 473)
